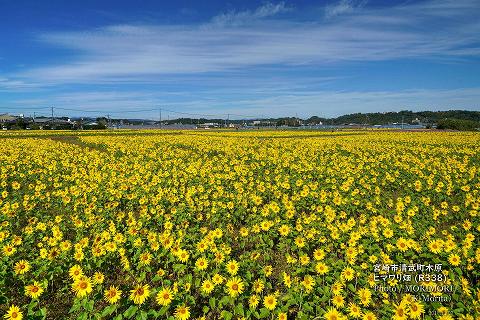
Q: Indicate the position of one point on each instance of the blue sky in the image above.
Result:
(244, 58)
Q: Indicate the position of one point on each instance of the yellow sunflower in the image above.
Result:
(270, 302)
(75, 272)
(207, 286)
(232, 267)
(139, 294)
(21, 267)
(82, 286)
(33, 290)
(113, 294)
(235, 286)
(182, 313)
(13, 313)
(164, 296)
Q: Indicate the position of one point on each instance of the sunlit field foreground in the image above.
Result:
(239, 225)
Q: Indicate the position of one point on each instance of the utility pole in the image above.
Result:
(402, 122)
(108, 116)
(52, 119)
(160, 117)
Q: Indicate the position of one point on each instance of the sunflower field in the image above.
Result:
(239, 225)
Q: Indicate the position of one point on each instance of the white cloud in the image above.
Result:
(123, 52)
(235, 18)
(343, 7)
(7, 84)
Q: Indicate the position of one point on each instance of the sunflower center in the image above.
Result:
(235, 286)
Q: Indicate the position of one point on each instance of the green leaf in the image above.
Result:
(211, 302)
(153, 313)
(163, 310)
(141, 316)
(108, 310)
(32, 305)
(458, 311)
(130, 312)
(239, 310)
(226, 315)
(307, 307)
(178, 267)
(205, 309)
(83, 316)
(302, 316)
(76, 306)
(89, 306)
(42, 313)
(264, 312)
(224, 301)
(119, 317)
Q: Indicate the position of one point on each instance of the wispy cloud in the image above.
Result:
(7, 84)
(226, 44)
(236, 18)
(343, 7)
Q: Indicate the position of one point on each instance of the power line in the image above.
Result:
(163, 109)
(219, 115)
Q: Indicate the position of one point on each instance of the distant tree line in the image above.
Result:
(458, 124)
(426, 117)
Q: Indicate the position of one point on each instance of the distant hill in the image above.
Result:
(406, 116)
(427, 117)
